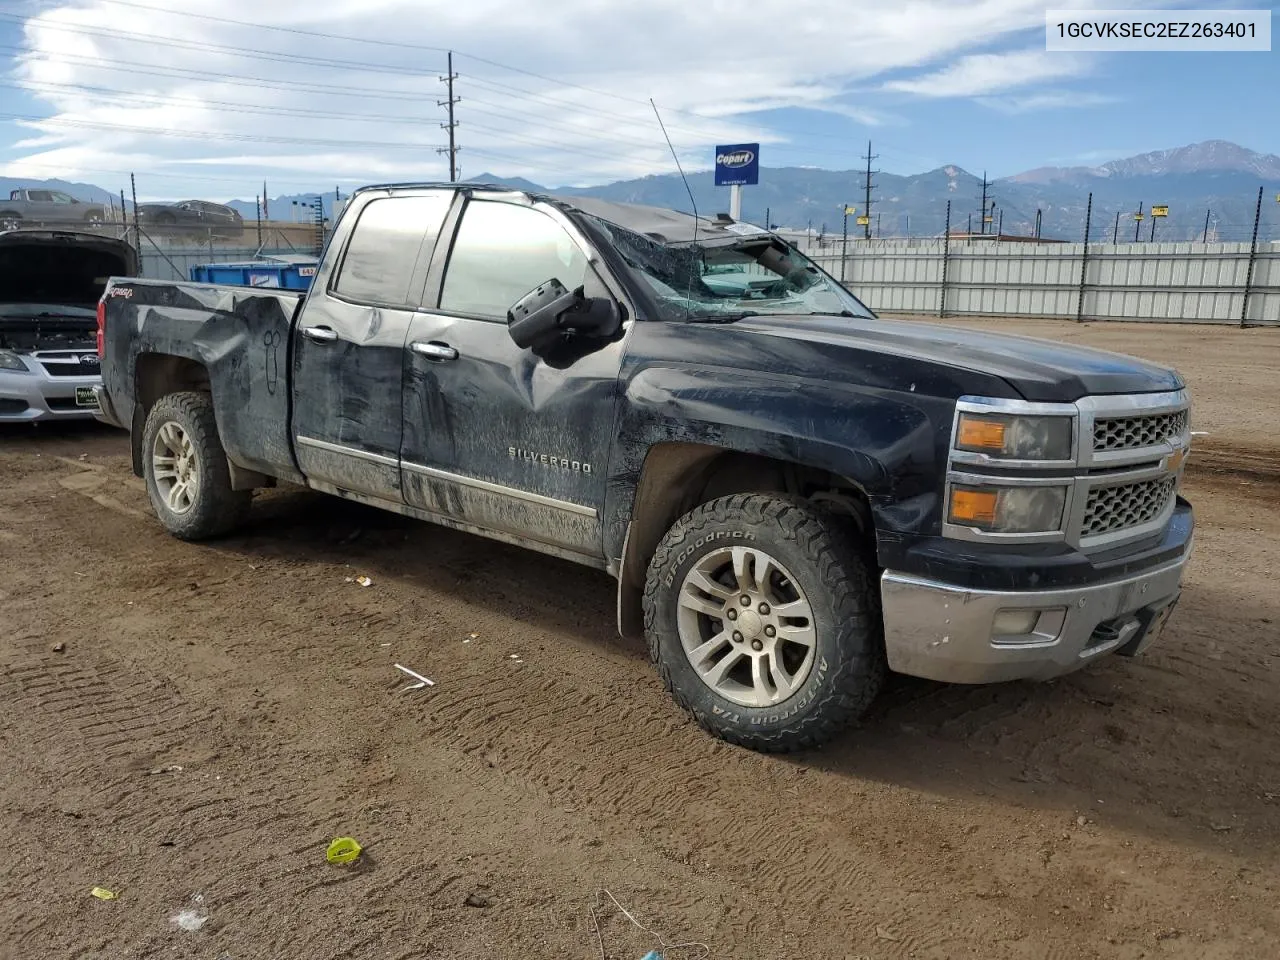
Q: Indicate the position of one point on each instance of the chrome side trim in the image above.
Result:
(347, 451)
(430, 516)
(513, 492)
(445, 475)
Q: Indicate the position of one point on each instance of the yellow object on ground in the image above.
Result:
(102, 893)
(343, 850)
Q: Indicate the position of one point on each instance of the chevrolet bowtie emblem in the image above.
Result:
(1173, 463)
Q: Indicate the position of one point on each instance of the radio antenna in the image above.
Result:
(688, 300)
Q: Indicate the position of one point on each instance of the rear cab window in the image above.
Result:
(383, 252)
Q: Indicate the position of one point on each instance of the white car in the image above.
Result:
(50, 283)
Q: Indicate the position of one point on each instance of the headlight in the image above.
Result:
(11, 361)
(1036, 509)
(1015, 438)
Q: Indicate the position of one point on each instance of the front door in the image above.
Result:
(496, 436)
(349, 342)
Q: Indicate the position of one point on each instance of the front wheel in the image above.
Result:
(186, 469)
(763, 618)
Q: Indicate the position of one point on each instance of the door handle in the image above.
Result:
(320, 334)
(434, 350)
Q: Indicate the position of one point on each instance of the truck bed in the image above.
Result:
(240, 335)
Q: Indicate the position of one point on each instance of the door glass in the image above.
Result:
(62, 198)
(41, 196)
(383, 250)
(503, 251)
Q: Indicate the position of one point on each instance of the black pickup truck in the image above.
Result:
(794, 495)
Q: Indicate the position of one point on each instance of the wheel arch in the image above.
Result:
(678, 476)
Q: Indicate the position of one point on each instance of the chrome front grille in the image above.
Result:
(1116, 508)
(1133, 433)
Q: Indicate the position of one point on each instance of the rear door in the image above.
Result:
(497, 436)
(348, 344)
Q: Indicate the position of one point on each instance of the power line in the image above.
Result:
(452, 125)
(297, 31)
(247, 53)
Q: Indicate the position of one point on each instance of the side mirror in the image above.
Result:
(550, 311)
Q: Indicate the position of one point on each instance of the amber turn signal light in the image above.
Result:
(973, 506)
(977, 433)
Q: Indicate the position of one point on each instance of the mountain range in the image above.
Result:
(1214, 178)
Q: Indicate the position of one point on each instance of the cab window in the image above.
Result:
(501, 252)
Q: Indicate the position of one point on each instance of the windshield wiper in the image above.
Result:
(720, 317)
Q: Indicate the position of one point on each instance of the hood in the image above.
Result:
(1040, 370)
(60, 268)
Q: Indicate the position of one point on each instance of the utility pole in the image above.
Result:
(844, 243)
(867, 185)
(452, 125)
(1205, 238)
(985, 184)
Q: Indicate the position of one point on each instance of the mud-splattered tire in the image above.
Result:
(818, 587)
(186, 469)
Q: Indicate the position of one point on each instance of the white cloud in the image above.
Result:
(1047, 100)
(249, 101)
(987, 73)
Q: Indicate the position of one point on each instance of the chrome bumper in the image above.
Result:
(34, 395)
(942, 632)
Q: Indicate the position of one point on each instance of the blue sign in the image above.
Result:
(738, 163)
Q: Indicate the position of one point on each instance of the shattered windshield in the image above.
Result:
(727, 279)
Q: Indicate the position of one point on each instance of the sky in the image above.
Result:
(209, 98)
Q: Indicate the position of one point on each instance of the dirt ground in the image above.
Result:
(190, 725)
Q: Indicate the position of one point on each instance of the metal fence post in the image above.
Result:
(1253, 260)
(946, 259)
(137, 231)
(1084, 260)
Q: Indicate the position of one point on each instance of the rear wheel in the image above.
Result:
(9, 220)
(763, 619)
(186, 469)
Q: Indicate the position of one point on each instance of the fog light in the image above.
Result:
(1014, 623)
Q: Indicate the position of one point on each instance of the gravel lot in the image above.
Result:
(184, 721)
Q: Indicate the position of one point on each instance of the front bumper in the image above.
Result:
(944, 632)
(35, 395)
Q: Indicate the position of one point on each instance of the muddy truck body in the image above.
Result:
(794, 496)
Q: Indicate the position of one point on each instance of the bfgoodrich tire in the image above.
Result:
(186, 469)
(763, 619)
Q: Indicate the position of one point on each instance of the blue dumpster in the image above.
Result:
(285, 273)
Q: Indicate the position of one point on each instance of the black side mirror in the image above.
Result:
(551, 311)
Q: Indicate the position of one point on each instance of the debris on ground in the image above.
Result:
(58, 647)
(476, 900)
(102, 893)
(172, 768)
(596, 908)
(193, 918)
(422, 681)
(343, 850)
(884, 934)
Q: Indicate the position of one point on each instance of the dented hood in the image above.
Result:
(1040, 370)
